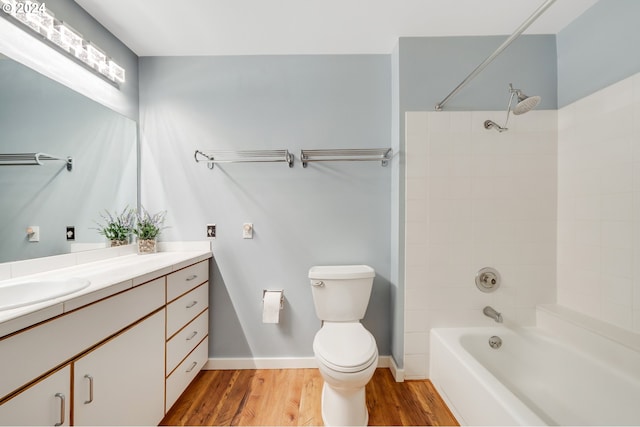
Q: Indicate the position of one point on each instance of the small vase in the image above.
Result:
(114, 243)
(146, 246)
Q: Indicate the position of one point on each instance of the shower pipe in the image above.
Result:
(497, 52)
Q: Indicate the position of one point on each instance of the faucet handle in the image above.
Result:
(488, 279)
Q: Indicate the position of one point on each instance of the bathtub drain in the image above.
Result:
(495, 342)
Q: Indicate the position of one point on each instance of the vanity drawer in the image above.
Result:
(184, 309)
(184, 341)
(186, 372)
(186, 279)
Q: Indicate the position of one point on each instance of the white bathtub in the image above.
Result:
(533, 379)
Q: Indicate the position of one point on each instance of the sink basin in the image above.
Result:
(27, 293)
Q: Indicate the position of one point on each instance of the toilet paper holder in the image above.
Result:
(264, 291)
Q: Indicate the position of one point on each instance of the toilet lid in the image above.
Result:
(345, 347)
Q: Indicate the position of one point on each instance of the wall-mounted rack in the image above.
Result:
(213, 157)
(346, 155)
(32, 159)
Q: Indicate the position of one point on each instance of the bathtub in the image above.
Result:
(534, 378)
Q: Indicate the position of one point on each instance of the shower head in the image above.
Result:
(527, 104)
(524, 105)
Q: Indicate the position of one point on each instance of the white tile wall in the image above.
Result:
(599, 205)
(477, 198)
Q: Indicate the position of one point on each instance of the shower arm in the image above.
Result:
(497, 52)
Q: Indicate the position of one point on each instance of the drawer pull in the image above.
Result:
(193, 365)
(192, 336)
(90, 378)
(191, 304)
(192, 277)
(62, 409)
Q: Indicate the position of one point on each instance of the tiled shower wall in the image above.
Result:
(599, 204)
(476, 198)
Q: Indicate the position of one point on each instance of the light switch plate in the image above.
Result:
(33, 233)
(247, 230)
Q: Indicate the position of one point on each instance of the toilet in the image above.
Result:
(345, 352)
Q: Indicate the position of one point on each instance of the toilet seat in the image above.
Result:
(345, 347)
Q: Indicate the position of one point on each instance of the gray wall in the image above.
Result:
(329, 213)
(598, 49)
(397, 217)
(431, 67)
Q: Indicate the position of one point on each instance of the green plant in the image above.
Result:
(149, 226)
(117, 226)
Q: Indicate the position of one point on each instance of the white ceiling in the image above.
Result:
(261, 27)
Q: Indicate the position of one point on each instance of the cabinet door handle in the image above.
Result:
(191, 304)
(193, 365)
(90, 378)
(62, 409)
(192, 277)
(192, 336)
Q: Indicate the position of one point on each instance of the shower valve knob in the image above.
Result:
(488, 279)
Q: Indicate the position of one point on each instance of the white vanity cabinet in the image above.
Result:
(187, 328)
(45, 403)
(39, 349)
(120, 382)
(121, 360)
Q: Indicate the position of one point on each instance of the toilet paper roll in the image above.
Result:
(271, 306)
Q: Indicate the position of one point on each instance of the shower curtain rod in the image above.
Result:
(497, 52)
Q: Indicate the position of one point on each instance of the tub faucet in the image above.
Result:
(491, 312)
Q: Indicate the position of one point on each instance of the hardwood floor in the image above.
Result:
(290, 397)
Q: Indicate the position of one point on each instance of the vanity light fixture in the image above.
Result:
(42, 21)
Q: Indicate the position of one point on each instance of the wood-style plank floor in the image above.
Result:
(290, 397)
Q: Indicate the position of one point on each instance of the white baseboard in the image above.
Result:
(279, 363)
(260, 363)
(398, 373)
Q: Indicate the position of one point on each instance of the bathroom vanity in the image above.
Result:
(118, 352)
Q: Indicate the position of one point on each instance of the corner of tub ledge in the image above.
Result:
(550, 308)
(5, 271)
(600, 327)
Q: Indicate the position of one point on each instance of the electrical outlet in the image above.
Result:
(71, 233)
(211, 231)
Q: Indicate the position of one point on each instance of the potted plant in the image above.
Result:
(117, 227)
(147, 229)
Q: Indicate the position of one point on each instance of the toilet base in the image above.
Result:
(344, 406)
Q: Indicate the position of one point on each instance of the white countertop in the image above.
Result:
(107, 277)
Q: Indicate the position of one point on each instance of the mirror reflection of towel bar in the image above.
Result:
(31, 159)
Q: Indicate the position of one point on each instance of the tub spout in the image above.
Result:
(491, 312)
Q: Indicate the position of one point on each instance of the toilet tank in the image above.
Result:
(341, 292)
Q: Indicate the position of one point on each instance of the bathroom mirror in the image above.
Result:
(39, 115)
